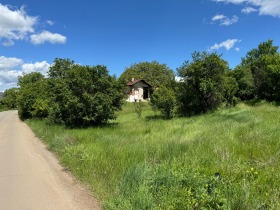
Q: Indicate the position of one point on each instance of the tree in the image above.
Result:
(205, 84)
(154, 73)
(60, 67)
(260, 61)
(164, 100)
(82, 95)
(33, 100)
(10, 98)
(245, 81)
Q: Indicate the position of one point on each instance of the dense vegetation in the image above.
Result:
(154, 73)
(227, 159)
(9, 99)
(208, 83)
(72, 94)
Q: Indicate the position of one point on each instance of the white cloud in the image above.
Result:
(248, 10)
(41, 67)
(237, 49)
(266, 7)
(11, 68)
(224, 20)
(228, 44)
(8, 63)
(49, 22)
(218, 17)
(8, 43)
(15, 24)
(47, 36)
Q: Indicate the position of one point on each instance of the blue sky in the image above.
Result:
(120, 33)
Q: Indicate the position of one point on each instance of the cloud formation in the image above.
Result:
(47, 36)
(11, 68)
(17, 25)
(228, 44)
(265, 7)
(248, 10)
(224, 20)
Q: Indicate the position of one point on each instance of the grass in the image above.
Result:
(228, 159)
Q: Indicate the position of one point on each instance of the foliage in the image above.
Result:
(151, 163)
(138, 106)
(82, 95)
(205, 85)
(154, 73)
(261, 61)
(10, 98)
(32, 96)
(245, 81)
(60, 67)
(230, 89)
(164, 99)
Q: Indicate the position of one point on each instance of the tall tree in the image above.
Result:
(154, 73)
(32, 101)
(205, 85)
(83, 95)
(10, 98)
(245, 81)
(259, 60)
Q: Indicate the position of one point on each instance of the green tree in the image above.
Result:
(83, 95)
(154, 73)
(10, 98)
(33, 100)
(60, 67)
(260, 61)
(245, 81)
(205, 84)
(164, 100)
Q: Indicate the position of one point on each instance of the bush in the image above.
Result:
(164, 100)
(82, 95)
(205, 85)
(32, 93)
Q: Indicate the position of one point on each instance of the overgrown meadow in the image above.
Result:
(227, 159)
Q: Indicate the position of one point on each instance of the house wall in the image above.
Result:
(137, 92)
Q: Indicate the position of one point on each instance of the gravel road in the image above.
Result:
(31, 178)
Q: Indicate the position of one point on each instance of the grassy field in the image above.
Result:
(228, 159)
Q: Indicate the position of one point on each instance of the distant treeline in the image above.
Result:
(77, 95)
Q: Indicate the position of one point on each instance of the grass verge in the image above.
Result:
(228, 159)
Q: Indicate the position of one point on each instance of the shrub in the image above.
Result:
(203, 88)
(82, 95)
(164, 100)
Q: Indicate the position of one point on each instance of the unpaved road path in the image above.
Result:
(30, 176)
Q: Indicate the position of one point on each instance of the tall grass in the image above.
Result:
(228, 159)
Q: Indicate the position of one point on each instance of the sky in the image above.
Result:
(120, 33)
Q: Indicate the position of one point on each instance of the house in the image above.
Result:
(138, 90)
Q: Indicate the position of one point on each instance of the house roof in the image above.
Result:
(136, 81)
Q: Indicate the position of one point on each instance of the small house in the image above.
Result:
(138, 90)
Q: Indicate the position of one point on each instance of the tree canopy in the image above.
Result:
(206, 84)
(83, 95)
(73, 94)
(259, 72)
(154, 73)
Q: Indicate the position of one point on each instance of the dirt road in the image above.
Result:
(30, 176)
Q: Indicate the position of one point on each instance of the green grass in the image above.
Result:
(152, 163)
